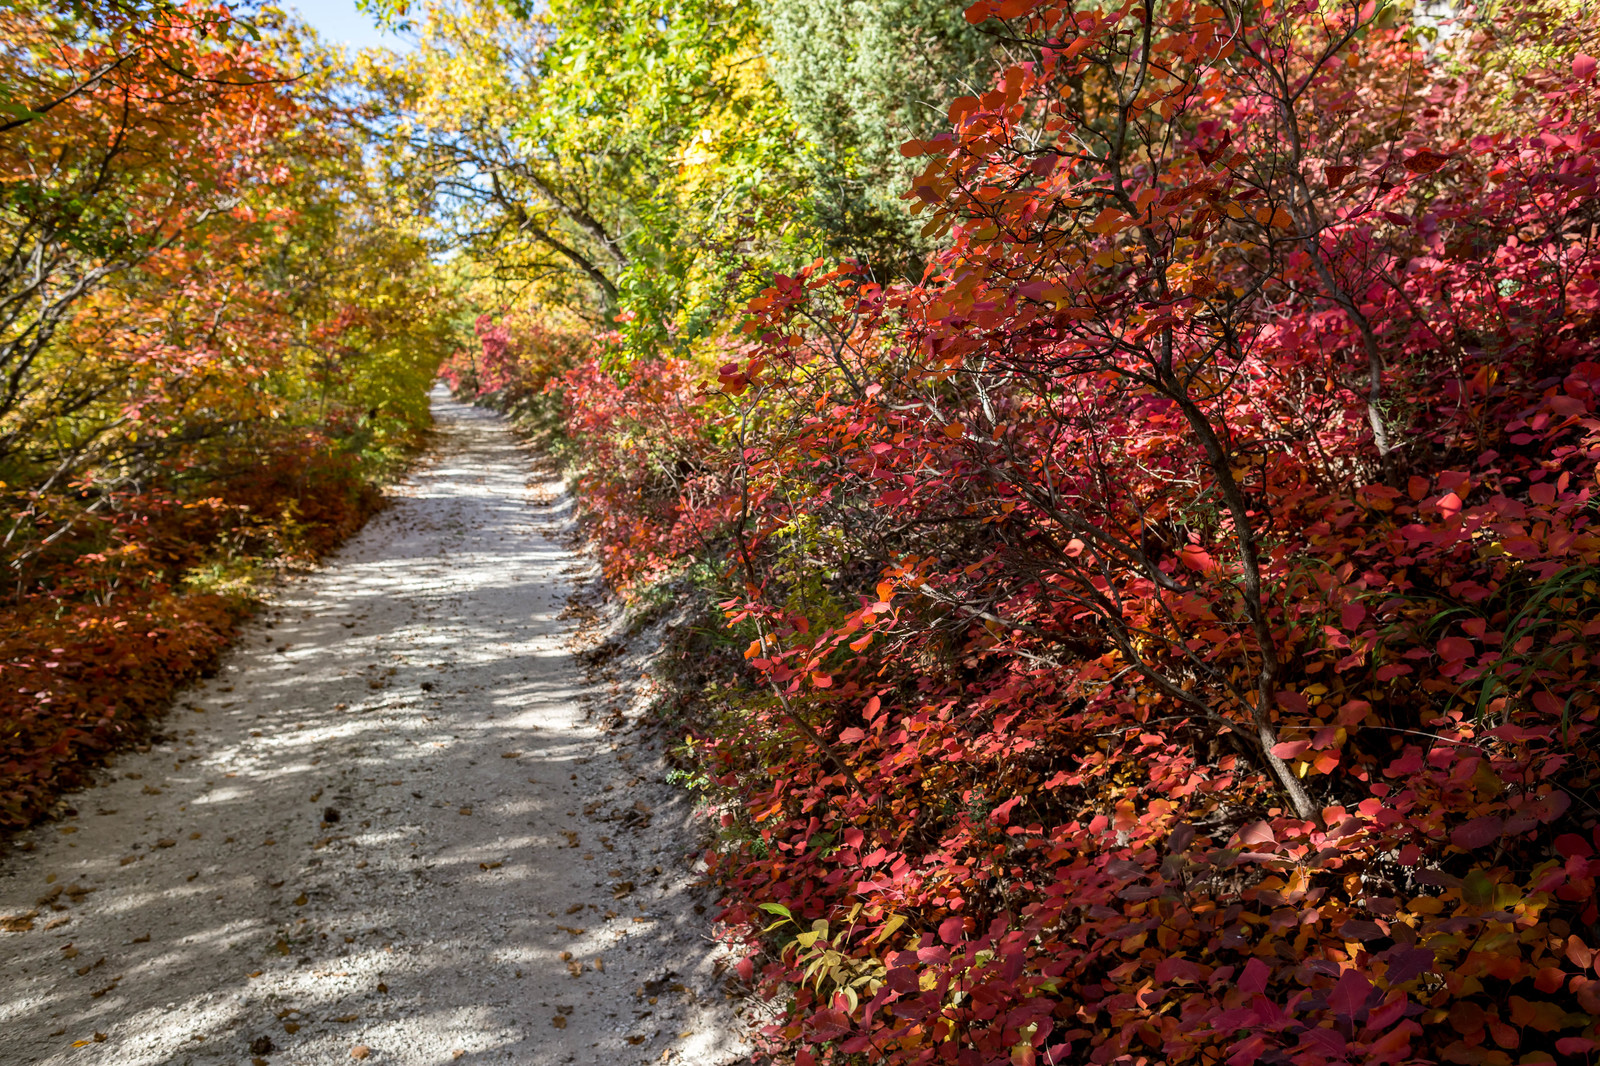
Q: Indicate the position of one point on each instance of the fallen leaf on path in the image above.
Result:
(347, 1017)
(360, 1051)
(57, 923)
(128, 860)
(291, 1027)
(636, 1040)
(559, 1022)
(69, 952)
(140, 939)
(622, 889)
(490, 865)
(575, 969)
(511, 755)
(262, 1045)
(18, 923)
(575, 908)
(301, 900)
(466, 810)
(599, 965)
(166, 842)
(457, 1053)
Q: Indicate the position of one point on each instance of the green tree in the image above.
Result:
(861, 77)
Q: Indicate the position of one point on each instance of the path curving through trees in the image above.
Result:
(385, 828)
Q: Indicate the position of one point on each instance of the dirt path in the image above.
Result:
(386, 824)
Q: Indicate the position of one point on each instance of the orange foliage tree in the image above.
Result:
(208, 344)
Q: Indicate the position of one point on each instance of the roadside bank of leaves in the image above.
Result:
(131, 604)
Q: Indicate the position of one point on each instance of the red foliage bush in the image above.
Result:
(104, 632)
(1226, 687)
(517, 356)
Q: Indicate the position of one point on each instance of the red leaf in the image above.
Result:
(951, 930)
(1583, 66)
(1571, 844)
(1253, 981)
(1256, 833)
(1477, 833)
(1426, 162)
(1337, 175)
(828, 1025)
(1001, 815)
(1349, 996)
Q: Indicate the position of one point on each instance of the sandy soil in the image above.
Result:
(386, 829)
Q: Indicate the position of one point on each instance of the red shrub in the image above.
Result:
(1226, 688)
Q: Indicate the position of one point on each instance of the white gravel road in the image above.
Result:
(384, 830)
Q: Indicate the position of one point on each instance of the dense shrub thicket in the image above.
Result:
(1170, 627)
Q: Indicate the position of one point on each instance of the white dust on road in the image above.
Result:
(384, 824)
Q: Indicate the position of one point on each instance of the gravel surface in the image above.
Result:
(386, 830)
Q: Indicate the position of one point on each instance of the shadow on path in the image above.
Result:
(373, 827)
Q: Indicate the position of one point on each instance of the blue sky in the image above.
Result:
(340, 22)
